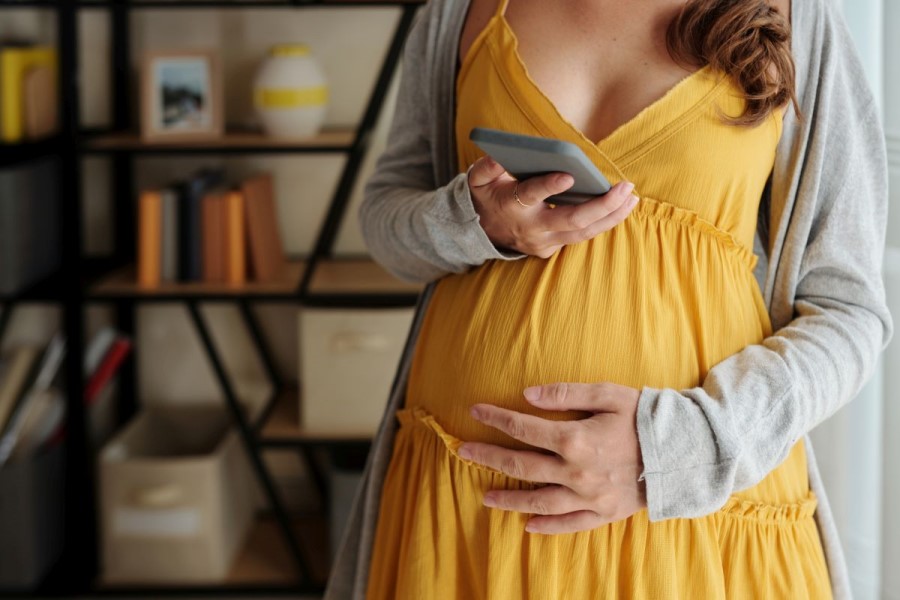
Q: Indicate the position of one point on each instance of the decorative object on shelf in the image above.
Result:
(28, 98)
(181, 96)
(290, 92)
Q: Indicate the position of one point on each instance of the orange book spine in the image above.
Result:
(235, 239)
(213, 232)
(149, 239)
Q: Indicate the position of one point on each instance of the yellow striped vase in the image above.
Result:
(290, 92)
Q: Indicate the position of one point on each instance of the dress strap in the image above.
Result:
(501, 8)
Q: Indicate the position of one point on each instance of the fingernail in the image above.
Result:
(564, 180)
(532, 393)
(464, 452)
(628, 187)
(475, 412)
(633, 200)
(530, 528)
(488, 501)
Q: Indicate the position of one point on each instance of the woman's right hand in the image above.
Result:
(537, 229)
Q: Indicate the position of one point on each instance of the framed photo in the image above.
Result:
(181, 96)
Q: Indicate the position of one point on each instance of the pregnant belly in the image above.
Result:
(656, 302)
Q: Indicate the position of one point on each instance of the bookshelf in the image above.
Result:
(283, 554)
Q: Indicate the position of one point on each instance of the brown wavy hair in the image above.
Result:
(748, 40)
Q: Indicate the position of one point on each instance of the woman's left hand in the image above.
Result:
(592, 473)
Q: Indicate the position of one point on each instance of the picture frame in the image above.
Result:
(181, 96)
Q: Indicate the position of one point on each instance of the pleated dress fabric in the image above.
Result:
(656, 301)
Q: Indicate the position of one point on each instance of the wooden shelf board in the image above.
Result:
(357, 276)
(283, 424)
(333, 138)
(123, 282)
(264, 560)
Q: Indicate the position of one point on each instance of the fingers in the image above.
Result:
(537, 189)
(619, 200)
(519, 464)
(596, 228)
(484, 171)
(548, 500)
(582, 520)
(594, 397)
(530, 429)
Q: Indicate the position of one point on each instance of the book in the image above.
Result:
(169, 235)
(44, 417)
(235, 239)
(97, 349)
(41, 110)
(190, 233)
(149, 251)
(214, 236)
(19, 375)
(42, 377)
(267, 259)
(15, 64)
(111, 363)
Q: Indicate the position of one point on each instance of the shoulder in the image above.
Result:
(783, 7)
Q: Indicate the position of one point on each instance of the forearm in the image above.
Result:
(421, 235)
(702, 444)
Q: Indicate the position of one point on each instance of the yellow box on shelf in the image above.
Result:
(27, 92)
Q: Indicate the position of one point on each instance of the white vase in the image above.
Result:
(290, 92)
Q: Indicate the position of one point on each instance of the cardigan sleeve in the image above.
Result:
(415, 228)
(700, 445)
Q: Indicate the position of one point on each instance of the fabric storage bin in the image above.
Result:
(347, 363)
(176, 495)
(32, 517)
(29, 224)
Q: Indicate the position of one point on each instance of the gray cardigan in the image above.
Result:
(820, 239)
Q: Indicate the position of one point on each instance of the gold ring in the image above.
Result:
(516, 196)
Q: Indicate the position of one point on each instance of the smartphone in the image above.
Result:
(525, 156)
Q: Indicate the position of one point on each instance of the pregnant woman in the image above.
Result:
(611, 400)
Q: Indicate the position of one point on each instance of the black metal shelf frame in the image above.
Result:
(13, 154)
(29, 3)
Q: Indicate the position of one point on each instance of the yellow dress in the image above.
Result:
(657, 301)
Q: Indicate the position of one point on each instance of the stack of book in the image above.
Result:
(28, 96)
(201, 230)
(32, 407)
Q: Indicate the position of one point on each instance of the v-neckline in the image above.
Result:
(607, 141)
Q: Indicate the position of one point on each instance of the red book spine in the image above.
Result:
(108, 367)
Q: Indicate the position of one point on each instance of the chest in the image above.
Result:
(600, 62)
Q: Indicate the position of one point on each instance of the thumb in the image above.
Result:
(484, 171)
(593, 397)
